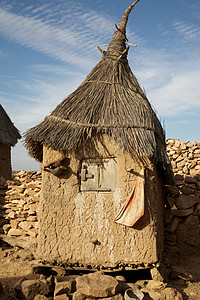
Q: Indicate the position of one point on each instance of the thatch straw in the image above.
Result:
(109, 101)
(8, 132)
(119, 37)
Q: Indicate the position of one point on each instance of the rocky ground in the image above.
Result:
(23, 277)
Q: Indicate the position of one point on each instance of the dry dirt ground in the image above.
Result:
(17, 263)
(191, 289)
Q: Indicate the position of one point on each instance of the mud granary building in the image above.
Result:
(9, 136)
(104, 162)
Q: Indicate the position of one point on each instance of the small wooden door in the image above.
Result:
(99, 175)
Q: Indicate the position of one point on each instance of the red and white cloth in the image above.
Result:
(133, 208)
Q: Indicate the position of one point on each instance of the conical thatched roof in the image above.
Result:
(109, 101)
(8, 132)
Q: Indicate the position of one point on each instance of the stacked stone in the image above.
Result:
(185, 157)
(3, 186)
(20, 205)
(182, 212)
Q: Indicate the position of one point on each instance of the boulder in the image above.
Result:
(120, 278)
(25, 225)
(15, 241)
(97, 285)
(62, 297)
(155, 285)
(186, 201)
(32, 288)
(155, 295)
(64, 285)
(15, 232)
(183, 212)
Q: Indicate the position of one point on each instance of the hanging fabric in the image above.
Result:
(133, 208)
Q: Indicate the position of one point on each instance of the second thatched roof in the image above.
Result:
(109, 101)
(9, 134)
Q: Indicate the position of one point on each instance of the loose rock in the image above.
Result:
(32, 288)
(97, 285)
(155, 285)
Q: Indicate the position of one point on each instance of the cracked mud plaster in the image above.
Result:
(78, 227)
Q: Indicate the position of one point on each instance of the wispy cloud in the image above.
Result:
(172, 88)
(69, 32)
(69, 42)
(39, 94)
(188, 32)
(51, 70)
(3, 54)
(72, 38)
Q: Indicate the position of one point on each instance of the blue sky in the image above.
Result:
(47, 47)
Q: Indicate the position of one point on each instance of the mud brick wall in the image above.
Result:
(19, 199)
(182, 212)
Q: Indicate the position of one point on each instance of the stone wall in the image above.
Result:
(18, 204)
(182, 212)
(185, 157)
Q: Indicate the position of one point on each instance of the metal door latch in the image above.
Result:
(85, 174)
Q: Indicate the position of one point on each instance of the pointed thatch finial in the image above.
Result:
(118, 42)
(108, 102)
